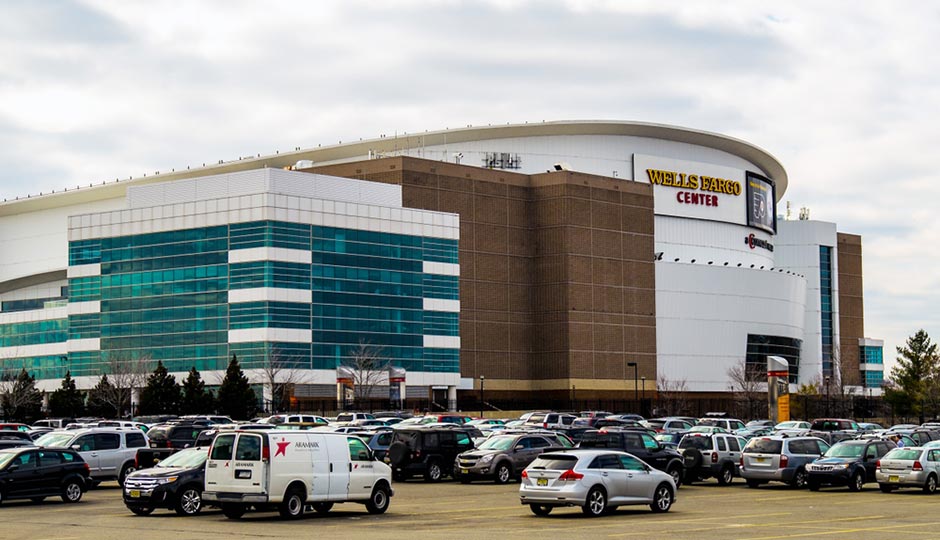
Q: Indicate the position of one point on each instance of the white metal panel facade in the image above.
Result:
(704, 314)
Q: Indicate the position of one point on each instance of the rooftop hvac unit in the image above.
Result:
(303, 164)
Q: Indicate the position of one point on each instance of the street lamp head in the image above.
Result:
(482, 377)
(631, 364)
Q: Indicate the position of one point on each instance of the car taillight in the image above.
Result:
(545, 425)
(784, 461)
(570, 475)
(918, 466)
(878, 464)
(741, 461)
(265, 453)
(714, 457)
(87, 468)
(524, 474)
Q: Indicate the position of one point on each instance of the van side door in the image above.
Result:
(361, 469)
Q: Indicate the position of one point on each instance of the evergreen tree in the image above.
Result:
(196, 399)
(20, 399)
(236, 398)
(67, 401)
(99, 399)
(915, 374)
(162, 394)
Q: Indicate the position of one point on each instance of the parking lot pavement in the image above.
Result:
(450, 510)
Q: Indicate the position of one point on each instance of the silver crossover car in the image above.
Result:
(909, 467)
(596, 480)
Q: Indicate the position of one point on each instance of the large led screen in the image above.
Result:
(761, 197)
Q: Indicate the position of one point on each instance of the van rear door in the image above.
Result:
(236, 465)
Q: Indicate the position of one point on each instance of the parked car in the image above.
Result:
(294, 418)
(848, 463)
(109, 452)
(730, 424)
(670, 440)
(596, 480)
(54, 423)
(669, 425)
(429, 451)
(715, 455)
(501, 457)
(833, 430)
(346, 417)
(640, 444)
(15, 427)
(10, 438)
(909, 467)
(175, 483)
(780, 459)
(550, 420)
(289, 470)
(37, 473)
(792, 428)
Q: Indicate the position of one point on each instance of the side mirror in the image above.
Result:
(518, 447)
(76, 447)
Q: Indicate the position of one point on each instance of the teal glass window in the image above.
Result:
(825, 303)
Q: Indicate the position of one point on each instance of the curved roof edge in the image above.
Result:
(768, 164)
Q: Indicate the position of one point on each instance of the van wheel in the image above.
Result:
(503, 474)
(322, 507)
(126, 470)
(293, 505)
(233, 510)
(378, 502)
(434, 472)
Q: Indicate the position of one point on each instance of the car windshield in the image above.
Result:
(787, 425)
(764, 446)
(186, 459)
(701, 443)
(846, 451)
(903, 453)
(497, 443)
(55, 439)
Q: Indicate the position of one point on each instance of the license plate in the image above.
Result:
(135, 493)
(464, 471)
(760, 459)
(894, 478)
(542, 482)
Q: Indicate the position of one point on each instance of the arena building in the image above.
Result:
(593, 260)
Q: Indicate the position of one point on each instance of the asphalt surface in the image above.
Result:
(484, 510)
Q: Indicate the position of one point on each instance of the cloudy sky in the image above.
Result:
(844, 94)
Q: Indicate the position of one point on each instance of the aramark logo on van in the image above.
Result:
(302, 444)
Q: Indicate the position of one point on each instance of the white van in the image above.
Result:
(290, 470)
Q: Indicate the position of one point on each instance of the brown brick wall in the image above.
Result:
(851, 313)
(557, 279)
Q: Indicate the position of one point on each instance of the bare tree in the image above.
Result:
(125, 373)
(673, 395)
(842, 384)
(749, 387)
(368, 368)
(281, 373)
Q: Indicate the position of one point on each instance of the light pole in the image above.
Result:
(642, 395)
(636, 381)
(482, 378)
(827, 395)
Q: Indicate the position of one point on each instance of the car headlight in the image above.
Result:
(487, 458)
(167, 480)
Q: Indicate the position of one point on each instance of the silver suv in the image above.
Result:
(551, 420)
(780, 459)
(501, 457)
(711, 455)
(110, 452)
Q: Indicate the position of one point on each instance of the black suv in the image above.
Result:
(642, 445)
(36, 473)
(167, 439)
(848, 463)
(175, 483)
(429, 451)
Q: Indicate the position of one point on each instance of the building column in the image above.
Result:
(451, 398)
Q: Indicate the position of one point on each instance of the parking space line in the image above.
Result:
(844, 531)
(804, 524)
